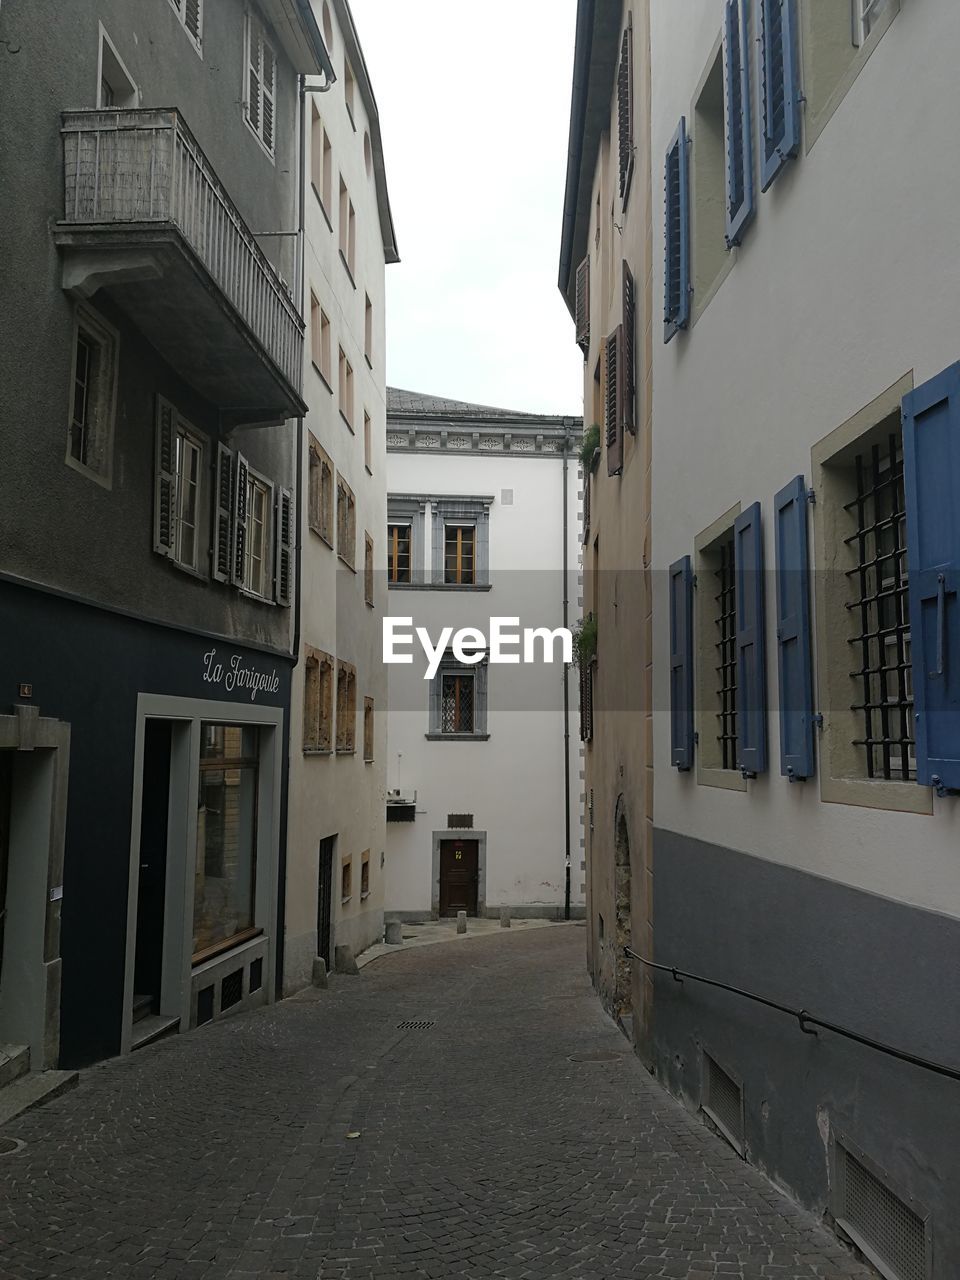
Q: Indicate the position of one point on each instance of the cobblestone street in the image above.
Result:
(318, 1139)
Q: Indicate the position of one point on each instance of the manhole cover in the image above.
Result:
(415, 1024)
(598, 1055)
(10, 1146)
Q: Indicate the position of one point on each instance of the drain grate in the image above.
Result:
(878, 1221)
(723, 1102)
(416, 1024)
(598, 1055)
(10, 1146)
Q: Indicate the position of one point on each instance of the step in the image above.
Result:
(153, 1027)
(14, 1062)
(142, 1007)
(33, 1091)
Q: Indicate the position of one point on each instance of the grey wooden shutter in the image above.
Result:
(794, 652)
(625, 109)
(239, 539)
(583, 305)
(629, 374)
(681, 664)
(283, 545)
(751, 657)
(254, 72)
(613, 409)
(222, 514)
(165, 479)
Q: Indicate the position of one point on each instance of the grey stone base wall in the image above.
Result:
(522, 911)
(884, 969)
(298, 957)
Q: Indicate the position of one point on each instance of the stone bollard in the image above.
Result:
(393, 932)
(344, 961)
(319, 977)
(504, 917)
(461, 922)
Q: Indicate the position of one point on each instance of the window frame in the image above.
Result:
(346, 534)
(346, 389)
(180, 9)
(318, 704)
(393, 552)
(256, 482)
(183, 431)
(478, 673)
(463, 511)
(107, 340)
(346, 697)
(263, 42)
(321, 495)
(460, 527)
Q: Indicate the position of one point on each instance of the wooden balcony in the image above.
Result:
(147, 220)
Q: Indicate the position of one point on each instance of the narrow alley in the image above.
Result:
(453, 1111)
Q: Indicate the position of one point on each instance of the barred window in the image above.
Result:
(457, 702)
(725, 644)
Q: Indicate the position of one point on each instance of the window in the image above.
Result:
(365, 875)
(368, 331)
(190, 13)
(346, 389)
(320, 497)
(368, 729)
(317, 702)
(458, 701)
(93, 396)
(838, 40)
(179, 488)
(582, 306)
(625, 109)
(400, 563)
(717, 700)
(189, 471)
(257, 543)
(115, 85)
(225, 880)
(346, 523)
(866, 16)
(321, 162)
(346, 880)
(711, 260)
(260, 107)
(779, 93)
(349, 91)
(348, 231)
(320, 340)
(459, 554)
(738, 132)
(629, 372)
(676, 280)
(367, 441)
(368, 569)
(346, 708)
(613, 401)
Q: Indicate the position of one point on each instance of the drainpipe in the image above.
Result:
(566, 693)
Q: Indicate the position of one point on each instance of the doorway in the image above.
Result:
(6, 774)
(325, 898)
(623, 973)
(459, 876)
(152, 882)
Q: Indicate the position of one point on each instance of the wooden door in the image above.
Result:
(459, 876)
(324, 898)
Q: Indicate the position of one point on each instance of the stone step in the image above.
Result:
(33, 1091)
(14, 1062)
(151, 1028)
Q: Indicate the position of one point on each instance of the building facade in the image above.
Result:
(334, 890)
(483, 769)
(806, 437)
(150, 376)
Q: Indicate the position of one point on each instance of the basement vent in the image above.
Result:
(882, 1225)
(464, 820)
(256, 974)
(231, 989)
(415, 1024)
(723, 1102)
(204, 1005)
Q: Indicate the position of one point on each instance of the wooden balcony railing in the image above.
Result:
(145, 167)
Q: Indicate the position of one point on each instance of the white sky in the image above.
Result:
(474, 106)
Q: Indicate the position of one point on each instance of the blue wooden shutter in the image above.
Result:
(931, 471)
(779, 87)
(681, 664)
(676, 276)
(751, 667)
(736, 113)
(794, 653)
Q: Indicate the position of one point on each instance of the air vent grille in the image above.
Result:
(415, 1024)
(879, 1222)
(460, 820)
(723, 1101)
(231, 989)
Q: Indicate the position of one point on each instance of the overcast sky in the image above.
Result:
(474, 107)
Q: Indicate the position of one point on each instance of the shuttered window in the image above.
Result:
(190, 13)
(256, 541)
(261, 84)
(737, 125)
(283, 540)
(681, 664)
(779, 89)
(676, 280)
(586, 701)
(794, 655)
(625, 109)
(583, 305)
(931, 464)
(613, 401)
(629, 373)
(751, 660)
(178, 488)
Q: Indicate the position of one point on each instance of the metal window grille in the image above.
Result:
(464, 820)
(726, 647)
(881, 606)
(884, 1227)
(456, 704)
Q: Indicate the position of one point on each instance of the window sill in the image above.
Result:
(368, 469)
(322, 536)
(877, 793)
(368, 759)
(440, 586)
(369, 603)
(104, 481)
(219, 948)
(344, 560)
(346, 751)
(191, 572)
(317, 751)
(250, 595)
(323, 207)
(365, 896)
(346, 267)
(348, 422)
(350, 116)
(726, 779)
(322, 376)
(457, 737)
(344, 901)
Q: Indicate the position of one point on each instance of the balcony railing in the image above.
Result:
(145, 167)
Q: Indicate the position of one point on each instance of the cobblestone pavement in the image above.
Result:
(317, 1139)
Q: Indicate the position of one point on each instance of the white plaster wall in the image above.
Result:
(847, 280)
(513, 783)
(330, 794)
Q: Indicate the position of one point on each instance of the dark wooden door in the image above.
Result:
(6, 774)
(325, 897)
(148, 964)
(459, 876)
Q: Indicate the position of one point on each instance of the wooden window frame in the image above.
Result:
(321, 499)
(346, 523)
(346, 708)
(318, 697)
(257, 482)
(369, 727)
(393, 551)
(368, 570)
(459, 580)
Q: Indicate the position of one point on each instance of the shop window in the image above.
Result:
(346, 708)
(225, 875)
(320, 495)
(317, 702)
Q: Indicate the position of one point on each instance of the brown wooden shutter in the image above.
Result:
(629, 350)
(240, 477)
(583, 305)
(625, 110)
(165, 479)
(613, 408)
(586, 702)
(283, 542)
(222, 514)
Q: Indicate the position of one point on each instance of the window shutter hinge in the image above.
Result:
(693, 580)
(818, 719)
(812, 496)
(696, 739)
